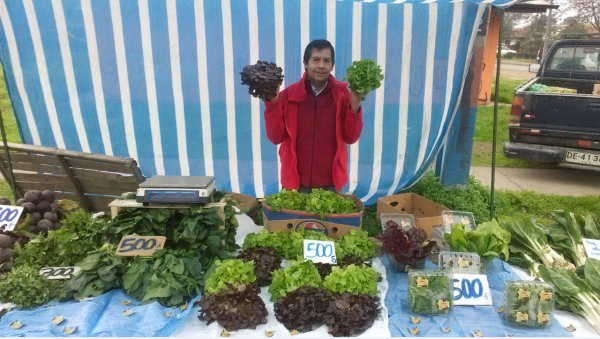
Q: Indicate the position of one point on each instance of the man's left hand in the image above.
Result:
(354, 101)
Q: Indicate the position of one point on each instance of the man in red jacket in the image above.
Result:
(314, 119)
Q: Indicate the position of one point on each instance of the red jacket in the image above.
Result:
(281, 119)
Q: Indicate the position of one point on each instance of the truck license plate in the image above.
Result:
(583, 158)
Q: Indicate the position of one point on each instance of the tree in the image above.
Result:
(588, 11)
(572, 26)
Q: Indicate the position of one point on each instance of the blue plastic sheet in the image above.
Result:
(463, 320)
(99, 316)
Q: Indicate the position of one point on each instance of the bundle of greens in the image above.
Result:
(171, 277)
(565, 235)
(406, 248)
(231, 296)
(356, 244)
(489, 240)
(429, 292)
(288, 245)
(352, 279)
(528, 303)
(319, 201)
(350, 314)
(288, 279)
(228, 275)
(529, 243)
(101, 271)
(302, 309)
(25, 287)
(575, 293)
(364, 76)
(266, 260)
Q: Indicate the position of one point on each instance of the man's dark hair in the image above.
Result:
(318, 45)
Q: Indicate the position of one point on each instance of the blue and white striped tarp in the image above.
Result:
(159, 80)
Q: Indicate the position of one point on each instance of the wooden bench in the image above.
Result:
(94, 180)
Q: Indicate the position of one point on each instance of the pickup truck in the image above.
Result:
(555, 117)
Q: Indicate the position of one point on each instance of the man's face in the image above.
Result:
(319, 65)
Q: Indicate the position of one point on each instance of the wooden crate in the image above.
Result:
(94, 180)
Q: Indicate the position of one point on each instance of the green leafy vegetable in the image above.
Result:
(288, 245)
(488, 240)
(565, 236)
(228, 275)
(429, 292)
(286, 199)
(363, 76)
(319, 201)
(288, 279)
(25, 287)
(171, 277)
(101, 271)
(356, 244)
(529, 303)
(352, 279)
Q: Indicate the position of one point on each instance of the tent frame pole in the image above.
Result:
(495, 130)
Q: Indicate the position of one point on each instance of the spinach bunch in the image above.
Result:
(171, 277)
(363, 76)
(100, 272)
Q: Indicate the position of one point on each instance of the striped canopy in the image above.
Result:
(159, 80)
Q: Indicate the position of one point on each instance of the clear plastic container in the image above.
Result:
(451, 218)
(460, 262)
(429, 292)
(404, 220)
(528, 303)
(402, 267)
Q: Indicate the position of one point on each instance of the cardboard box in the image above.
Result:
(428, 214)
(333, 225)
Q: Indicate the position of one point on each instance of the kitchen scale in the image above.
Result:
(161, 189)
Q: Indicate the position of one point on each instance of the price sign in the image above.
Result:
(471, 289)
(592, 248)
(53, 273)
(136, 245)
(320, 251)
(9, 216)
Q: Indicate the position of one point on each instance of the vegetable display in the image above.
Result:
(406, 248)
(231, 296)
(489, 240)
(350, 314)
(528, 303)
(25, 287)
(364, 76)
(319, 201)
(355, 244)
(265, 260)
(41, 210)
(302, 309)
(429, 292)
(352, 279)
(263, 79)
(286, 280)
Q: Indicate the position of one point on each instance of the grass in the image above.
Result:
(507, 88)
(8, 115)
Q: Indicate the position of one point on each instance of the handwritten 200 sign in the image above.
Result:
(319, 251)
(9, 216)
(137, 245)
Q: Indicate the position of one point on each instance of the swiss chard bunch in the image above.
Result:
(229, 275)
(429, 292)
(356, 244)
(288, 279)
(575, 293)
(352, 279)
(286, 199)
(171, 277)
(101, 271)
(363, 76)
(405, 246)
(528, 303)
(566, 236)
(489, 240)
(25, 287)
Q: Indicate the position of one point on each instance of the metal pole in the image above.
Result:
(11, 176)
(497, 91)
(547, 34)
